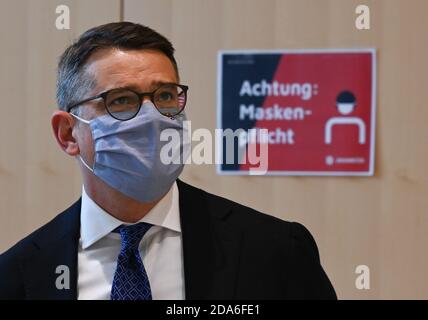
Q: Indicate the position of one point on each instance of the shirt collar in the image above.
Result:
(97, 223)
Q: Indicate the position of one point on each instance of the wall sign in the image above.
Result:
(317, 109)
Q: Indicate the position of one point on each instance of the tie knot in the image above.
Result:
(131, 235)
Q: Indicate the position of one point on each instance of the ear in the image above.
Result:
(62, 125)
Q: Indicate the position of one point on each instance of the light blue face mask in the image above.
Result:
(128, 153)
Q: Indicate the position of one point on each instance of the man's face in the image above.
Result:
(140, 70)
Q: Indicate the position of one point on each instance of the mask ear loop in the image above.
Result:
(80, 157)
(80, 119)
(85, 164)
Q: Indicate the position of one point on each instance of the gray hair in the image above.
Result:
(73, 82)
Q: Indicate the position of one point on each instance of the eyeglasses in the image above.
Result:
(124, 104)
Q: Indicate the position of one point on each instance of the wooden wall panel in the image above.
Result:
(37, 180)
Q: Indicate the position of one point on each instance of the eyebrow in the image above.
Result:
(135, 87)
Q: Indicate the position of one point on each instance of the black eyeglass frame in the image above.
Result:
(140, 96)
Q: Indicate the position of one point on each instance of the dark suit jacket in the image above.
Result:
(230, 252)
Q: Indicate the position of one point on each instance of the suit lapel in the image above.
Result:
(54, 260)
(209, 248)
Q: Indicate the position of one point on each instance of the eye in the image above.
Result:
(165, 96)
(121, 100)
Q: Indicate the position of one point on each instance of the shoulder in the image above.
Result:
(12, 259)
(244, 218)
(294, 261)
(63, 222)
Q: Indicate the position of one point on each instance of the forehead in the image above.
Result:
(140, 69)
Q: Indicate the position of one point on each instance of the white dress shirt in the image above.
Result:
(160, 250)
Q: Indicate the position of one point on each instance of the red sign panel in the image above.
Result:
(317, 109)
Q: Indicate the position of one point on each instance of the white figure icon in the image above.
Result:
(346, 104)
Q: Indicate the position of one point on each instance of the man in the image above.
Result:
(138, 232)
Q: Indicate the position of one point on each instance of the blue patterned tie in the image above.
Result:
(130, 280)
